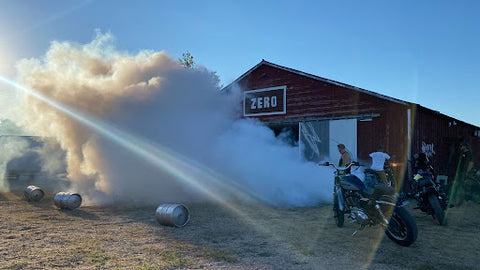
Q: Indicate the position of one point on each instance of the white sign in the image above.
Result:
(265, 101)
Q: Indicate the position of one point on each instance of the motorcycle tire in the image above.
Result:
(402, 228)
(438, 212)
(391, 181)
(337, 213)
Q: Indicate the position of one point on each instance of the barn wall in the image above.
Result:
(312, 99)
(381, 119)
(439, 136)
(308, 98)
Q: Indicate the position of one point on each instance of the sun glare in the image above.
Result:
(184, 170)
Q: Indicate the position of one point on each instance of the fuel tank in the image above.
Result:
(351, 182)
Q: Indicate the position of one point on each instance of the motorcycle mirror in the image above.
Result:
(326, 163)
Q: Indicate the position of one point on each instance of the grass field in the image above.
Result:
(253, 236)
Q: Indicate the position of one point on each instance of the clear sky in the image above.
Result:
(427, 52)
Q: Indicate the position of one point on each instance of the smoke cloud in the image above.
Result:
(152, 97)
(26, 160)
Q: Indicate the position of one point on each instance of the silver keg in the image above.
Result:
(172, 215)
(33, 193)
(67, 200)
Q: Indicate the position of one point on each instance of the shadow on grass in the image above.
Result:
(80, 213)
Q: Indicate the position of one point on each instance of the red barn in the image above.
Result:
(320, 113)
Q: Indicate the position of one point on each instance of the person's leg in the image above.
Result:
(382, 176)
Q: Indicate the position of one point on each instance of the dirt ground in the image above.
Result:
(241, 236)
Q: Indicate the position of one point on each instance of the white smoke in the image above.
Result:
(26, 160)
(152, 97)
(12, 148)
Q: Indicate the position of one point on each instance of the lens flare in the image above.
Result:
(182, 168)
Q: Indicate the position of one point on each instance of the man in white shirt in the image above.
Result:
(378, 161)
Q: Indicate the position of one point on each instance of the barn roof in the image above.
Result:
(348, 86)
(263, 62)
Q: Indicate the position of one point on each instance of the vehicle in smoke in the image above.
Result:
(429, 195)
(369, 203)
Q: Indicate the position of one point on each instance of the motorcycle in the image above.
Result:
(369, 204)
(392, 182)
(430, 197)
(387, 168)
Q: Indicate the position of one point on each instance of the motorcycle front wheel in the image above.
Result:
(402, 228)
(438, 212)
(337, 213)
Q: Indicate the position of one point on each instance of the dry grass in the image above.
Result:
(39, 236)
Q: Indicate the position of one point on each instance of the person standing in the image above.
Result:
(464, 168)
(378, 161)
(345, 158)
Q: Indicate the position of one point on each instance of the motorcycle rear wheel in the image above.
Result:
(402, 228)
(337, 213)
(391, 182)
(438, 212)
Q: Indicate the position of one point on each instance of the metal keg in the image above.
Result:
(172, 215)
(67, 200)
(33, 193)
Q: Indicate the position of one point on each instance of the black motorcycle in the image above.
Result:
(370, 204)
(430, 197)
(390, 177)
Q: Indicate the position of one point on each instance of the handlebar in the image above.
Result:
(353, 163)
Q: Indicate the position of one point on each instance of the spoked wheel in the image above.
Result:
(402, 228)
(337, 213)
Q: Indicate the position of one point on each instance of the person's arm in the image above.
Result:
(347, 158)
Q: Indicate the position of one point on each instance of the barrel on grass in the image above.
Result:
(33, 193)
(175, 215)
(67, 200)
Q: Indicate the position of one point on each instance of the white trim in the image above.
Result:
(268, 89)
(409, 123)
(284, 111)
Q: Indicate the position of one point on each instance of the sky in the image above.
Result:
(426, 52)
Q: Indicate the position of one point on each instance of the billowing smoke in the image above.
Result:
(12, 149)
(164, 108)
(26, 160)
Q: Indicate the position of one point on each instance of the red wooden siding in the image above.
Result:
(445, 134)
(309, 97)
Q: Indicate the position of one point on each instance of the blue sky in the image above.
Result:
(419, 51)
